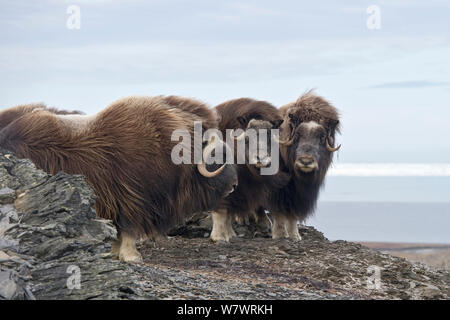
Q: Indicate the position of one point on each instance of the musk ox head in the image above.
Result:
(257, 134)
(225, 182)
(308, 135)
(221, 177)
(243, 117)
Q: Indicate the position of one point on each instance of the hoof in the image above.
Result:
(131, 258)
(220, 238)
(221, 242)
(279, 235)
(296, 238)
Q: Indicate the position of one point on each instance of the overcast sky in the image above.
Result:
(392, 85)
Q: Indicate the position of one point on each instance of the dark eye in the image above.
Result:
(293, 118)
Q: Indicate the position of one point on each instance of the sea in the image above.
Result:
(385, 203)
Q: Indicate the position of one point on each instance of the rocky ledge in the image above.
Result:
(52, 246)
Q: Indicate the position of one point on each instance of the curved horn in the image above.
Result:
(201, 167)
(330, 148)
(286, 143)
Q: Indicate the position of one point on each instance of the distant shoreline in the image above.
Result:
(404, 246)
(435, 255)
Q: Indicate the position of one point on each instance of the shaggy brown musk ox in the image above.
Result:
(253, 190)
(307, 145)
(124, 152)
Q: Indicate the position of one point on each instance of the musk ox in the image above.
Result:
(253, 190)
(124, 152)
(307, 138)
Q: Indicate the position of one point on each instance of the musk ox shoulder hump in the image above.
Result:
(145, 109)
(195, 107)
(76, 122)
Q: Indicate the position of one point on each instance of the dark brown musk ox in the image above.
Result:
(124, 152)
(254, 188)
(307, 138)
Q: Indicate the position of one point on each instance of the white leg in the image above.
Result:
(221, 226)
(279, 227)
(128, 251)
(240, 220)
(292, 229)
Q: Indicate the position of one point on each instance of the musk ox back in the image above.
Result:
(307, 145)
(124, 152)
(253, 189)
(9, 115)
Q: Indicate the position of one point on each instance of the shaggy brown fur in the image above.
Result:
(208, 116)
(298, 199)
(253, 190)
(311, 107)
(125, 154)
(11, 114)
(237, 113)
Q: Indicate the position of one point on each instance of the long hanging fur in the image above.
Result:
(124, 153)
(253, 189)
(299, 197)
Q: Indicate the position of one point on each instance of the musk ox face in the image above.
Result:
(225, 182)
(309, 147)
(258, 153)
